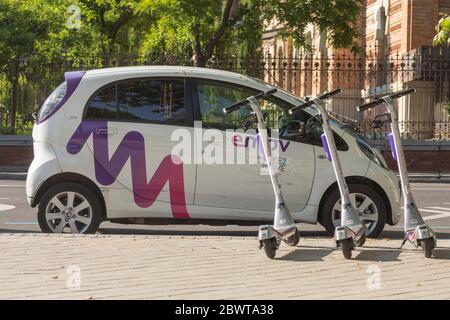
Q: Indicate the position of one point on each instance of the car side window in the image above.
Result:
(103, 104)
(213, 97)
(152, 100)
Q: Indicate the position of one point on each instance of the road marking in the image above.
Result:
(437, 216)
(21, 222)
(442, 212)
(4, 207)
(439, 208)
(426, 189)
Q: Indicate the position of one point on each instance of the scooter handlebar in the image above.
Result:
(369, 105)
(239, 104)
(325, 96)
(379, 101)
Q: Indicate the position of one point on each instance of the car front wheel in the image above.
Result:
(69, 207)
(369, 204)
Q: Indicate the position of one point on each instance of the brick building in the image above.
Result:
(397, 37)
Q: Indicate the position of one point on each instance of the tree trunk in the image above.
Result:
(200, 61)
(14, 96)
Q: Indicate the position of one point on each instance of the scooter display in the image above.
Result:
(283, 228)
(351, 232)
(416, 231)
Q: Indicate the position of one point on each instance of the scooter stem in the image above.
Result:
(412, 217)
(349, 214)
(283, 220)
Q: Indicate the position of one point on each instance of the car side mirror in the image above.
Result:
(296, 128)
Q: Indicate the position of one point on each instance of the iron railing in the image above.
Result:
(361, 76)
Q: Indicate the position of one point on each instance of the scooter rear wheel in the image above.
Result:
(427, 247)
(346, 247)
(294, 239)
(270, 247)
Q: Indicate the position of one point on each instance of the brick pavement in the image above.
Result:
(39, 266)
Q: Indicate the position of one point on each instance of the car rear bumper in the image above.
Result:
(44, 165)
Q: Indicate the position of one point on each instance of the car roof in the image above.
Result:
(167, 69)
(196, 72)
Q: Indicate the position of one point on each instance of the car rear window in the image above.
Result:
(148, 100)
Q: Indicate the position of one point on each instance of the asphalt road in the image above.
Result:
(16, 216)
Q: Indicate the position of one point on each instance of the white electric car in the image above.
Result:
(104, 150)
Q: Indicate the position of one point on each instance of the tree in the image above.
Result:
(338, 17)
(118, 23)
(21, 25)
(107, 30)
(443, 32)
(205, 24)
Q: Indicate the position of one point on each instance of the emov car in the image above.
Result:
(104, 150)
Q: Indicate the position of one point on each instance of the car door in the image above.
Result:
(245, 186)
(132, 122)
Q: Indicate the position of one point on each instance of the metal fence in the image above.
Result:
(365, 76)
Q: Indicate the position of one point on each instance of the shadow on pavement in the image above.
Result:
(184, 232)
(378, 255)
(441, 253)
(400, 235)
(303, 253)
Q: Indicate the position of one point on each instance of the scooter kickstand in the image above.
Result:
(403, 242)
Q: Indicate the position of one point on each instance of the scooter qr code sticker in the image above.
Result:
(264, 233)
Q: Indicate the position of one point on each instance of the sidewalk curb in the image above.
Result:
(13, 176)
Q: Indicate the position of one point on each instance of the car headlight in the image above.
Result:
(52, 101)
(372, 153)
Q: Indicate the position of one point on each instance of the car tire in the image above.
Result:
(328, 208)
(85, 220)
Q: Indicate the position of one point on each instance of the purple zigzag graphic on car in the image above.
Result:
(132, 147)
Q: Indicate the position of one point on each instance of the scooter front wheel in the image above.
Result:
(346, 247)
(427, 247)
(294, 239)
(270, 247)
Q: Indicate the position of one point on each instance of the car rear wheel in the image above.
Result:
(369, 204)
(69, 207)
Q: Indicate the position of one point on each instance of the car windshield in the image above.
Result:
(347, 127)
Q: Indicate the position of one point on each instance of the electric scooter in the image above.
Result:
(351, 232)
(283, 228)
(416, 231)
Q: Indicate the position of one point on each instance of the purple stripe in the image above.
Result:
(392, 143)
(108, 166)
(326, 149)
(73, 79)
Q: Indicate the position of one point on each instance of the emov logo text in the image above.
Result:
(132, 147)
(239, 141)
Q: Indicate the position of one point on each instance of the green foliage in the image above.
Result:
(196, 25)
(22, 126)
(443, 32)
(339, 18)
(40, 39)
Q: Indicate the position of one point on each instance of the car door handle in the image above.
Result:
(106, 131)
(211, 140)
